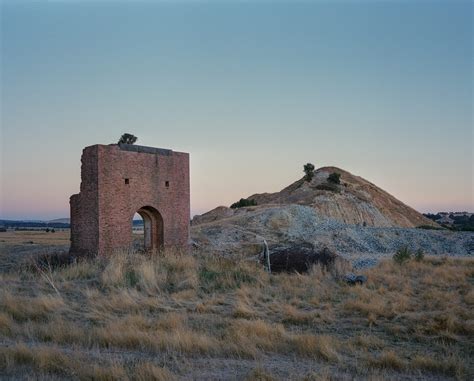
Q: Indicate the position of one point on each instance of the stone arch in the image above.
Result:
(152, 228)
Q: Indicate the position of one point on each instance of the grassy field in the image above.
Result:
(174, 316)
(34, 237)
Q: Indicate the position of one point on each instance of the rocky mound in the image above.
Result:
(280, 225)
(354, 201)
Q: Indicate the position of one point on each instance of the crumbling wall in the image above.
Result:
(117, 181)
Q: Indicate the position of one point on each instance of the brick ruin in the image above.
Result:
(118, 181)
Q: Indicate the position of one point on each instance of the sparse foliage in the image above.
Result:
(334, 178)
(328, 187)
(48, 275)
(243, 202)
(402, 255)
(127, 139)
(419, 255)
(308, 169)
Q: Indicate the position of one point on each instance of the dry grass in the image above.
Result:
(53, 361)
(141, 312)
(148, 371)
(25, 308)
(387, 359)
(260, 374)
(11, 237)
(321, 346)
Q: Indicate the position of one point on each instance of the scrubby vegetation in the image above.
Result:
(404, 254)
(127, 139)
(334, 178)
(429, 227)
(328, 187)
(174, 315)
(242, 203)
(308, 170)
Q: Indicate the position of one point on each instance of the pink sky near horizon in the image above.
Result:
(50, 200)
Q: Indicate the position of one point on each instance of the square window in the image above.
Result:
(127, 181)
(167, 184)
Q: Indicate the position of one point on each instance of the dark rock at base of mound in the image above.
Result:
(300, 258)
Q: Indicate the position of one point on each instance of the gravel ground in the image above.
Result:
(362, 245)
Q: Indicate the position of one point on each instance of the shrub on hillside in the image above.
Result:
(328, 187)
(243, 202)
(419, 255)
(402, 255)
(429, 227)
(334, 178)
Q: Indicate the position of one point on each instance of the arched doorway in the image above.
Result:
(152, 233)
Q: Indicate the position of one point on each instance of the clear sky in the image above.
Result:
(253, 90)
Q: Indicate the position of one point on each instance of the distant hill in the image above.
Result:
(59, 221)
(12, 224)
(353, 201)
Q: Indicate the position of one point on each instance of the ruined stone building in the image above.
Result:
(118, 181)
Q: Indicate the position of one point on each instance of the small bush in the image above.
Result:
(242, 203)
(308, 169)
(127, 139)
(429, 227)
(402, 255)
(419, 255)
(334, 178)
(328, 187)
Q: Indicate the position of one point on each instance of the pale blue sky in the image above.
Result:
(253, 90)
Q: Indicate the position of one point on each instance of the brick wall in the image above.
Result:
(119, 180)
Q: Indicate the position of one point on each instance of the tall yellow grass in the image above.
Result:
(411, 319)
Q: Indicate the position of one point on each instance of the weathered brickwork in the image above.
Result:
(119, 181)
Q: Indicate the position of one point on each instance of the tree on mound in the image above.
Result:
(127, 139)
(334, 178)
(309, 171)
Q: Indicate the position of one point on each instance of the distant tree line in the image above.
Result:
(460, 222)
(26, 224)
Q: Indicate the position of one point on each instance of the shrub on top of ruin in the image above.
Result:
(243, 202)
(334, 178)
(309, 171)
(127, 139)
(402, 255)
